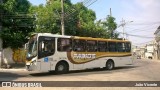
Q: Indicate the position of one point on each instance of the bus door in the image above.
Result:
(46, 49)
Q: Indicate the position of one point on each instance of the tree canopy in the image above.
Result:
(79, 20)
(16, 22)
(20, 18)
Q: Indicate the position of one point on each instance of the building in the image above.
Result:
(157, 38)
(142, 51)
(149, 53)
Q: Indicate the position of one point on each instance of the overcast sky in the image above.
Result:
(145, 15)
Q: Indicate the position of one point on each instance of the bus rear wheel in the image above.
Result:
(61, 68)
(109, 65)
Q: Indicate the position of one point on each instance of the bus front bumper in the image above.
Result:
(30, 66)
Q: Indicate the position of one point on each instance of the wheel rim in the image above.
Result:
(60, 68)
(110, 65)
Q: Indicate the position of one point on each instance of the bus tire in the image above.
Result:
(61, 68)
(109, 65)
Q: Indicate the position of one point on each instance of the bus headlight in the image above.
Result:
(28, 63)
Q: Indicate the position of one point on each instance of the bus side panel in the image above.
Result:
(44, 66)
(58, 57)
(122, 61)
(101, 62)
(94, 64)
(38, 66)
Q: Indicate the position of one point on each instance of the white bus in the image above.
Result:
(60, 53)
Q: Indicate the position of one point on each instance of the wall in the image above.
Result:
(13, 56)
(158, 44)
(7, 56)
(158, 51)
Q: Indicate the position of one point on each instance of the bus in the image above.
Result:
(61, 53)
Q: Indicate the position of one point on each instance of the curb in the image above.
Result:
(1, 69)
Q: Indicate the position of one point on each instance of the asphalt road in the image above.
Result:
(142, 70)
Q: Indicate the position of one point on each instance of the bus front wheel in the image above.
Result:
(109, 65)
(61, 68)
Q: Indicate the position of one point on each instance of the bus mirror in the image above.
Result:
(26, 46)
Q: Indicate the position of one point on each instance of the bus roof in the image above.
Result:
(53, 35)
(100, 39)
(78, 37)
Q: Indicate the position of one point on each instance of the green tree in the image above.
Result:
(16, 22)
(79, 20)
(47, 17)
(85, 20)
(110, 26)
(77, 17)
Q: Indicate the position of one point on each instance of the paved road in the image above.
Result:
(143, 70)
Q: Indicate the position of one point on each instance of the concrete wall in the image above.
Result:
(13, 56)
(7, 56)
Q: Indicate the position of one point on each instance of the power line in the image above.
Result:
(72, 10)
(143, 42)
(123, 23)
(88, 3)
(92, 3)
(141, 28)
(136, 35)
(146, 23)
(85, 2)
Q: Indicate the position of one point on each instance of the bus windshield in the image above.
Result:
(32, 47)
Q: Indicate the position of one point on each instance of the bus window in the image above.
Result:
(46, 46)
(121, 47)
(102, 46)
(79, 45)
(64, 44)
(112, 46)
(91, 46)
(128, 47)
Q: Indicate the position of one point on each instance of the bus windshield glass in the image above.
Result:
(32, 47)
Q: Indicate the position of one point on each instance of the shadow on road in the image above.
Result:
(126, 67)
(86, 72)
(8, 76)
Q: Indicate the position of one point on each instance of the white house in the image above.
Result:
(149, 51)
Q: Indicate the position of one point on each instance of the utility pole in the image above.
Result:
(123, 23)
(62, 17)
(110, 12)
(1, 41)
(111, 27)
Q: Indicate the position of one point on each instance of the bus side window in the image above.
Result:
(91, 46)
(102, 46)
(64, 44)
(112, 46)
(128, 47)
(79, 45)
(121, 47)
(46, 46)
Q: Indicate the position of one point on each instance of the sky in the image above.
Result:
(145, 15)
